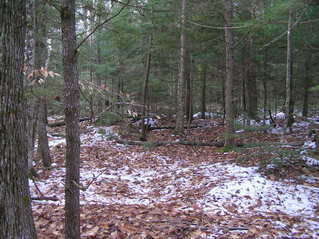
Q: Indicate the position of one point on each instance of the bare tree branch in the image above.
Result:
(101, 24)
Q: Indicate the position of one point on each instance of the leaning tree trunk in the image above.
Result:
(16, 221)
(40, 59)
(71, 110)
(289, 104)
(229, 44)
(179, 127)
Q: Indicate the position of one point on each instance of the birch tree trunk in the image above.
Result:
(16, 221)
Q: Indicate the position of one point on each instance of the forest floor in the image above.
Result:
(265, 189)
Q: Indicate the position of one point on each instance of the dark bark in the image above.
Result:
(16, 221)
(188, 98)
(243, 83)
(181, 77)
(98, 74)
(71, 110)
(306, 85)
(202, 72)
(249, 84)
(31, 107)
(40, 59)
(289, 104)
(265, 83)
(250, 73)
(164, 143)
(173, 127)
(145, 88)
(120, 87)
(43, 143)
(251, 90)
(229, 45)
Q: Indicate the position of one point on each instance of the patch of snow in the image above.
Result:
(240, 131)
(309, 179)
(252, 122)
(150, 122)
(55, 117)
(309, 145)
(278, 130)
(207, 115)
(215, 187)
(314, 120)
(280, 116)
(57, 141)
(310, 161)
(267, 122)
(250, 191)
(302, 124)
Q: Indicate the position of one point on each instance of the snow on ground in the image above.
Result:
(219, 186)
(148, 178)
(207, 115)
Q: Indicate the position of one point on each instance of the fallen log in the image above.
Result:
(54, 198)
(62, 123)
(163, 143)
(173, 127)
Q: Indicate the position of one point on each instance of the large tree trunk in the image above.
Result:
(229, 44)
(179, 128)
(72, 107)
(40, 59)
(289, 104)
(16, 221)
